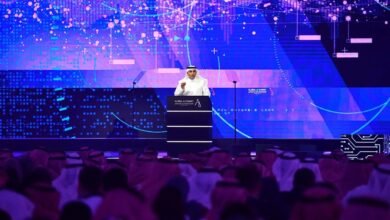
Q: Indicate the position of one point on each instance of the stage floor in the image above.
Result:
(115, 144)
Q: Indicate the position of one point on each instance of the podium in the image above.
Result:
(189, 121)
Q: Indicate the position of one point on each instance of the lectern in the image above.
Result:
(189, 121)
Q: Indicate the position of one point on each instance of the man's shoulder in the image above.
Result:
(203, 79)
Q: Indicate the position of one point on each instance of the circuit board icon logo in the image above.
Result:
(361, 147)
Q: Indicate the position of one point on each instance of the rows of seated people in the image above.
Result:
(211, 185)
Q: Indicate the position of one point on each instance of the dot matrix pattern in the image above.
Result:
(36, 113)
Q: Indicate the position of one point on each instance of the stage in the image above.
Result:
(299, 79)
(138, 145)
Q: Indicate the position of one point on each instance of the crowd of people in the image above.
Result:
(272, 185)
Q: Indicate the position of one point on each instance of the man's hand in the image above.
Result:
(183, 85)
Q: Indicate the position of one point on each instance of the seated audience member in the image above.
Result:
(223, 195)
(16, 205)
(187, 170)
(229, 173)
(202, 185)
(271, 205)
(284, 169)
(115, 178)
(268, 157)
(83, 152)
(125, 205)
(196, 211)
(242, 159)
(365, 207)
(39, 157)
(312, 164)
(356, 173)
(56, 163)
(303, 179)
(169, 204)
(219, 159)
(378, 185)
(128, 157)
(5, 154)
(67, 182)
(162, 171)
(90, 186)
(39, 189)
(249, 177)
(332, 170)
(238, 211)
(15, 174)
(317, 203)
(180, 183)
(96, 158)
(76, 210)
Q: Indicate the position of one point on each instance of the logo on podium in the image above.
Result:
(197, 103)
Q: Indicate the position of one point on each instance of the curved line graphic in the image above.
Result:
(349, 113)
(373, 117)
(217, 113)
(230, 125)
(135, 128)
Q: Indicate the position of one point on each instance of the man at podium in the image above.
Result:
(192, 84)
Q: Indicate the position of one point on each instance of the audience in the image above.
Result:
(210, 185)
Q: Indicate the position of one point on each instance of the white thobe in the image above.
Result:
(194, 87)
(16, 205)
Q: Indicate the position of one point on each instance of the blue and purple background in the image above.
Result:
(67, 67)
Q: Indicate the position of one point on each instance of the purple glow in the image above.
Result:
(309, 37)
(347, 55)
(361, 40)
(123, 62)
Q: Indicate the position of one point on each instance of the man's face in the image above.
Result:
(191, 73)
